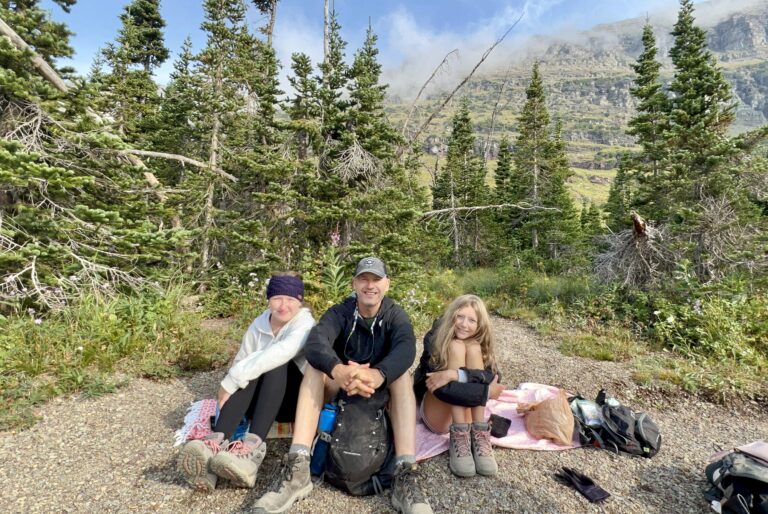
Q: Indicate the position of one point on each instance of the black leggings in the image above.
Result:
(272, 396)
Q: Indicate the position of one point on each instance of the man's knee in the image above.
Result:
(404, 384)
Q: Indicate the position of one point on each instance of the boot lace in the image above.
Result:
(461, 443)
(483, 445)
(283, 474)
(213, 444)
(405, 483)
(240, 448)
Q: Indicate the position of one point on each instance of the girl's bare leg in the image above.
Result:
(474, 359)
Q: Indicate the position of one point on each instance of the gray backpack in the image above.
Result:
(740, 480)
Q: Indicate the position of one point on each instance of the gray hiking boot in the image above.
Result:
(240, 461)
(194, 459)
(407, 497)
(460, 458)
(482, 450)
(295, 484)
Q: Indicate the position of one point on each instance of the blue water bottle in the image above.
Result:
(324, 428)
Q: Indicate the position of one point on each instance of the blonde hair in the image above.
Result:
(446, 332)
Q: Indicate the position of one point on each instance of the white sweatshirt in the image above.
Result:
(261, 351)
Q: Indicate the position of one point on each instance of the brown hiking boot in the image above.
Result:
(482, 450)
(194, 458)
(239, 462)
(460, 458)
(407, 497)
(295, 484)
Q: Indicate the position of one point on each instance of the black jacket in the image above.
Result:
(389, 346)
(472, 393)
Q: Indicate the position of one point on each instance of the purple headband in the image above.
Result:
(285, 285)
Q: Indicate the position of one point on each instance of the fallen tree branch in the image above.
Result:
(522, 206)
(174, 157)
(464, 81)
(38, 62)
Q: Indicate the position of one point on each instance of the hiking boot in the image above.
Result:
(240, 461)
(482, 450)
(295, 484)
(194, 458)
(407, 497)
(460, 458)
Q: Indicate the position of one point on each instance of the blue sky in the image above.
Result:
(413, 36)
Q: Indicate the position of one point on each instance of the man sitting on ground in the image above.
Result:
(383, 350)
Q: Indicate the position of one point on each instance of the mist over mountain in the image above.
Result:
(587, 75)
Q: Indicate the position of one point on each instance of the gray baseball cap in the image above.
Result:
(371, 265)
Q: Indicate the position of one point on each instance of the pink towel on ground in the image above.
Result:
(429, 445)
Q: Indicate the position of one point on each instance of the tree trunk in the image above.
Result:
(271, 26)
(455, 226)
(213, 162)
(326, 30)
(38, 62)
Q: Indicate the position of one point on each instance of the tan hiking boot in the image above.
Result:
(194, 459)
(239, 462)
(295, 484)
(460, 458)
(482, 450)
(407, 497)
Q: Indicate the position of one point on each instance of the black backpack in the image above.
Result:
(620, 429)
(360, 458)
(739, 483)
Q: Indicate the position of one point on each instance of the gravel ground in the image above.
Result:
(115, 454)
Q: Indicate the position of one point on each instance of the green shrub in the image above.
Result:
(83, 347)
(714, 326)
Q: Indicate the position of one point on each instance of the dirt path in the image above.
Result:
(115, 453)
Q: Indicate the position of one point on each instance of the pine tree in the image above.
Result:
(461, 183)
(503, 175)
(147, 46)
(68, 221)
(303, 108)
(649, 125)
(366, 117)
(331, 89)
(702, 109)
(559, 230)
(620, 196)
(131, 96)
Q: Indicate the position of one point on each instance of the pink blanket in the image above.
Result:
(429, 445)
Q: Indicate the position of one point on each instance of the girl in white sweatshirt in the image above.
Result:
(262, 384)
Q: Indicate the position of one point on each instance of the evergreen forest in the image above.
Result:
(134, 214)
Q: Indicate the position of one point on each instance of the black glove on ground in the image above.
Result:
(582, 483)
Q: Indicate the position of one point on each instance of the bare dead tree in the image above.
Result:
(637, 257)
(355, 163)
(487, 143)
(464, 80)
(523, 206)
(179, 158)
(440, 67)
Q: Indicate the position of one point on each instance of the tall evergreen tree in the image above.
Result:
(620, 196)
(650, 124)
(461, 183)
(702, 109)
(146, 47)
(130, 94)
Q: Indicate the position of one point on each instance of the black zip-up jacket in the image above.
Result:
(389, 345)
(472, 393)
